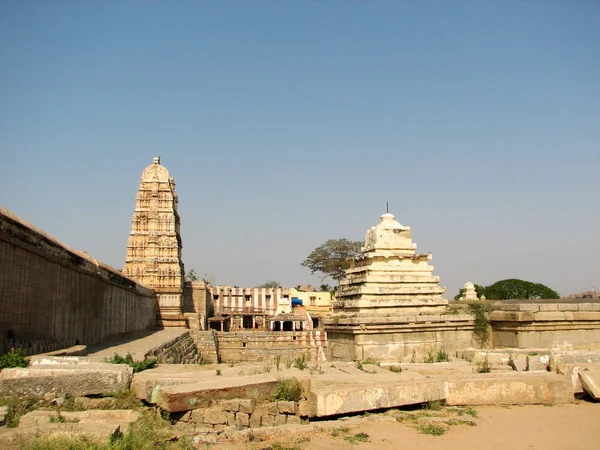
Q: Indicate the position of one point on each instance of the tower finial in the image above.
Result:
(387, 207)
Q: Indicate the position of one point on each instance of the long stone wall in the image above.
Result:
(573, 323)
(52, 296)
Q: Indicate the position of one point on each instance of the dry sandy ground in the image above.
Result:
(573, 426)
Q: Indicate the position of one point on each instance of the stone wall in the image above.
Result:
(193, 347)
(546, 324)
(242, 413)
(399, 338)
(266, 346)
(52, 296)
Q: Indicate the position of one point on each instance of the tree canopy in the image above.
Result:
(333, 257)
(518, 289)
(191, 275)
(272, 284)
(513, 288)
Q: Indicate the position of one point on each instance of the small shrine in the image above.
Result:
(390, 277)
(390, 306)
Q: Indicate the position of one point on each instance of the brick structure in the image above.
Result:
(154, 246)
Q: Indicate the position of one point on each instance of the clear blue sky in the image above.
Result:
(286, 123)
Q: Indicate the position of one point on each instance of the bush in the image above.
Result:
(14, 358)
(138, 366)
(288, 390)
(300, 362)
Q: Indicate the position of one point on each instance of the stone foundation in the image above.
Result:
(396, 339)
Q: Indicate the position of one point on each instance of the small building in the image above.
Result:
(237, 309)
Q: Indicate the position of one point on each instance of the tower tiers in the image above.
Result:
(390, 277)
(154, 246)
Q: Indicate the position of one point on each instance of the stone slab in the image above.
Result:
(76, 379)
(590, 381)
(328, 399)
(185, 397)
(516, 388)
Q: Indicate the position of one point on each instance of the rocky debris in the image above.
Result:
(590, 381)
(75, 378)
(99, 424)
(517, 388)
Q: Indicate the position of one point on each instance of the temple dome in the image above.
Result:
(388, 234)
(155, 172)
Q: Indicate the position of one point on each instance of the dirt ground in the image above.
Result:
(573, 426)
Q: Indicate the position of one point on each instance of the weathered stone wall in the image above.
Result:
(242, 413)
(193, 347)
(546, 324)
(52, 296)
(266, 346)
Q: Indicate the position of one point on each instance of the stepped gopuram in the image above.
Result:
(154, 246)
(390, 306)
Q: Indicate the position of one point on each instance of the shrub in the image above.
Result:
(358, 437)
(484, 366)
(300, 362)
(288, 390)
(138, 366)
(14, 358)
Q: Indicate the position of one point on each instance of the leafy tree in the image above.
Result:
(479, 289)
(191, 275)
(324, 288)
(333, 257)
(270, 285)
(513, 288)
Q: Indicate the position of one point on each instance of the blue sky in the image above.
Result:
(288, 123)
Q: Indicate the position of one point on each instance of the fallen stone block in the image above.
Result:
(145, 382)
(76, 379)
(572, 372)
(242, 420)
(590, 381)
(328, 399)
(3, 413)
(517, 388)
(286, 407)
(230, 405)
(185, 397)
(247, 405)
(216, 416)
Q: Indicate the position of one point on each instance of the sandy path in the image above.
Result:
(558, 427)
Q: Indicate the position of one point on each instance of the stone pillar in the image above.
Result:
(253, 322)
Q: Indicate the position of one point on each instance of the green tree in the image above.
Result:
(270, 285)
(333, 257)
(479, 289)
(513, 288)
(191, 275)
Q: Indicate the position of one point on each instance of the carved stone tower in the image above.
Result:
(154, 246)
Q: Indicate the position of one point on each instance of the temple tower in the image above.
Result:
(154, 246)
